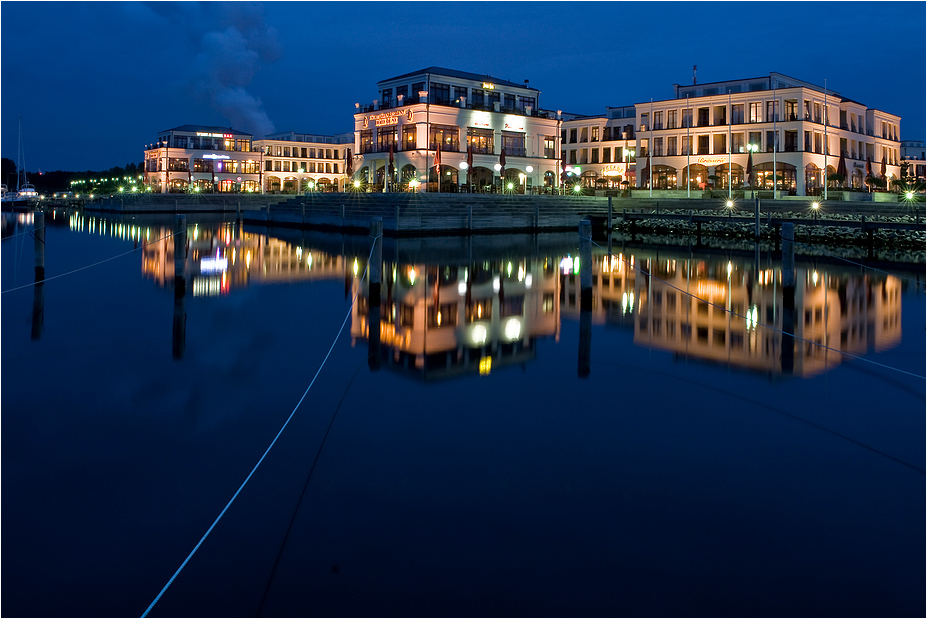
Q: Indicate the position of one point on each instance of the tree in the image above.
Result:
(8, 172)
(836, 178)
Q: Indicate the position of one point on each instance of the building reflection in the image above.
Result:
(441, 321)
(220, 257)
(731, 313)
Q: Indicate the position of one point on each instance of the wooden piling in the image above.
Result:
(376, 260)
(180, 254)
(585, 264)
(756, 218)
(609, 214)
(38, 291)
(38, 231)
(788, 297)
(179, 330)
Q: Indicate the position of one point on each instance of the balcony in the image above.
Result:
(394, 103)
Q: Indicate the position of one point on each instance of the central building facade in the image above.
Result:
(453, 131)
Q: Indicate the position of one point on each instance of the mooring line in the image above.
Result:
(30, 231)
(766, 405)
(269, 447)
(318, 453)
(760, 324)
(83, 268)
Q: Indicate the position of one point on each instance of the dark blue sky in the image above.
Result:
(95, 81)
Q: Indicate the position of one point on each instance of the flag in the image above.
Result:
(438, 157)
(349, 164)
(882, 171)
(391, 160)
(469, 156)
(868, 166)
(750, 168)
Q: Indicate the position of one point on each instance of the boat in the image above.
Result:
(25, 196)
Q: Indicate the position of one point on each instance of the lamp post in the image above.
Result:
(529, 169)
(814, 209)
(627, 169)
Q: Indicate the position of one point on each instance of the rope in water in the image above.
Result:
(269, 447)
(84, 268)
(783, 332)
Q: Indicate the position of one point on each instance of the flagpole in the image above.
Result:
(650, 149)
(730, 119)
(825, 138)
(775, 144)
(688, 118)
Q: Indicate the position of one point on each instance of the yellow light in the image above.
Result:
(815, 205)
(412, 275)
(355, 267)
(357, 183)
(485, 366)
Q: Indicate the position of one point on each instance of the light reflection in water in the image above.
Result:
(444, 317)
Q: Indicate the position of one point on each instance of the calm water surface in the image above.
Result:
(496, 453)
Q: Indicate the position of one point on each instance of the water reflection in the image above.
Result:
(442, 319)
(725, 311)
(439, 321)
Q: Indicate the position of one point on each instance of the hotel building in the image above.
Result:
(706, 132)
(441, 113)
(599, 151)
(912, 153)
(220, 159)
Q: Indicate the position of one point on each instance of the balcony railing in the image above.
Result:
(519, 111)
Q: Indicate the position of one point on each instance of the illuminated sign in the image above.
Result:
(711, 160)
(388, 118)
(214, 156)
(513, 127)
(213, 135)
(489, 86)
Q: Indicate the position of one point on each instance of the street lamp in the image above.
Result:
(627, 168)
(814, 209)
(730, 208)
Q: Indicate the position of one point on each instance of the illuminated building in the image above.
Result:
(219, 159)
(599, 151)
(706, 132)
(912, 154)
(300, 162)
(420, 113)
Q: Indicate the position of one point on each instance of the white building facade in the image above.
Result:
(913, 160)
(800, 130)
(464, 119)
(207, 159)
(299, 162)
(599, 151)
(203, 158)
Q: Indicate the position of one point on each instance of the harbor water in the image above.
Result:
(473, 445)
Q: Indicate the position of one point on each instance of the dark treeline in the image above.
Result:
(61, 180)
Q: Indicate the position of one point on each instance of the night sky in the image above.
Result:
(95, 81)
